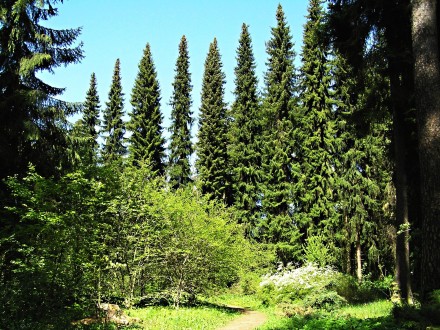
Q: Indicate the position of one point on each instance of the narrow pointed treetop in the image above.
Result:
(280, 75)
(179, 167)
(113, 125)
(317, 135)
(212, 137)
(245, 132)
(146, 141)
(90, 118)
(277, 147)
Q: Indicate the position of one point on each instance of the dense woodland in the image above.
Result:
(333, 162)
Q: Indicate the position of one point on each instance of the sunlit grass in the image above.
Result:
(194, 318)
(374, 315)
(375, 309)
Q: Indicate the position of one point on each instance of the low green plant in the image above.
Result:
(194, 318)
(309, 286)
(426, 313)
(327, 300)
(378, 308)
(376, 315)
(354, 292)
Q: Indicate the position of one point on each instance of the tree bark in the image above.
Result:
(358, 256)
(402, 218)
(398, 35)
(347, 264)
(427, 96)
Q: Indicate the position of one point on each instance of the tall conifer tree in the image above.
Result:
(113, 125)
(179, 167)
(317, 132)
(146, 141)
(91, 120)
(212, 137)
(245, 133)
(362, 174)
(33, 123)
(277, 225)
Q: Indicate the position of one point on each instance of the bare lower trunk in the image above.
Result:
(427, 96)
(402, 217)
(398, 35)
(358, 256)
(347, 247)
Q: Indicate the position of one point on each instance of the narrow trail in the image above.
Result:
(248, 321)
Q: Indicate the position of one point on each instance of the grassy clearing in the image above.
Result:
(194, 318)
(375, 315)
(213, 315)
(380, 308)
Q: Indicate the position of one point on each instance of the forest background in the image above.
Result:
(329, 157)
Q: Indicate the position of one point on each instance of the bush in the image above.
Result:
(306, 287)
(366, 291)
(326, 300)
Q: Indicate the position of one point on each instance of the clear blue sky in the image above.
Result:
(121, 29)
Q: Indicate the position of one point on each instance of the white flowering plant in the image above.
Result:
(309, 284)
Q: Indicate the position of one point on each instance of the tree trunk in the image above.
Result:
(398, 35)
(358, 256)
(427, 96)
(402, 218)
(347, 265)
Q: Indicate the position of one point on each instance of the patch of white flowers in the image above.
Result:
(309, 276)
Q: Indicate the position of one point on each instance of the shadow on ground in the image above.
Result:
(331, 322)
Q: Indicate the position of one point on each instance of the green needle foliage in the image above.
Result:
(316, 135)
(245, 134)
(211, 147)
(179, 167)
(113, 125)
(91, 120)
(364, 179)
(146, 141)
(276, 225)
(34, 124)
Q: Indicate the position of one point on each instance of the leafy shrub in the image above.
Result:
(354, 292)
(110, 236)
(291, 309)
(435, 297)
(249, 283)
(327, 300)
(308, 286)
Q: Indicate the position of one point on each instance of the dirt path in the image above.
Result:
(248, 321)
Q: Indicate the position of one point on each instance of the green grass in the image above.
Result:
(375, 315)
(194, 318)
(212, 315)
(375, 309)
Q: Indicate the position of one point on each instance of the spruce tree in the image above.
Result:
(317, 132)
(113, 125)
(146, 141)
(33, 122)
(245, 134)
(179, 167)
(362, 175)
(212, 136)
(352, 24)
(277, 225)
(91, 120)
